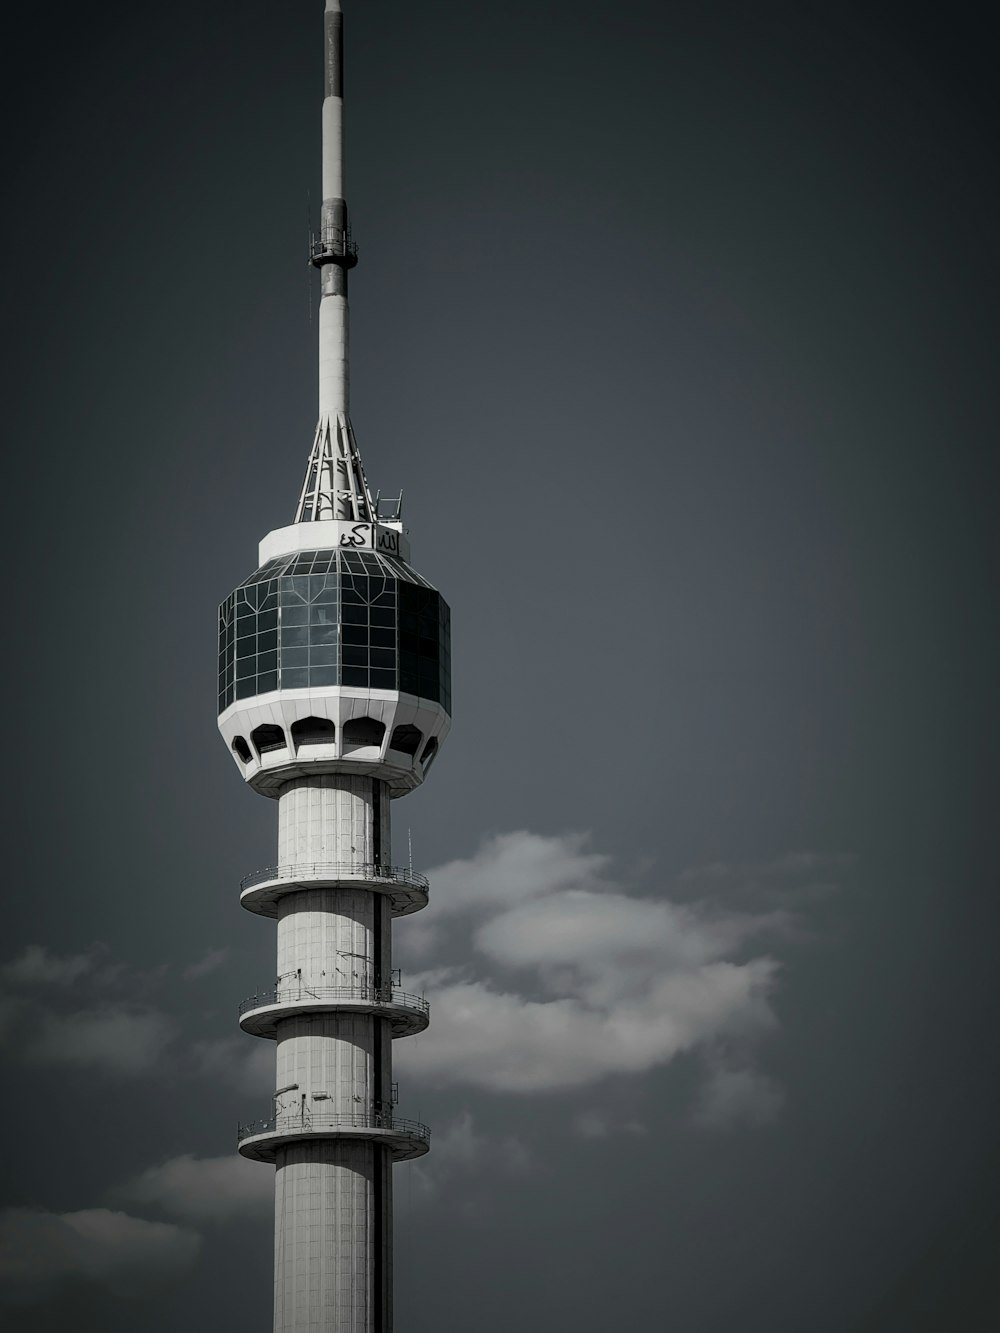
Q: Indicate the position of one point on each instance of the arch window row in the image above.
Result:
(357, 733)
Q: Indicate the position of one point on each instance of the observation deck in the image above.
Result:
(407, 1014)
(339, 249)
(261, 1139)
(262, 890)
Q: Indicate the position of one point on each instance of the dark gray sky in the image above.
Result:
(676, 323)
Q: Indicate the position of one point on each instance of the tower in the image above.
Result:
(334, 697)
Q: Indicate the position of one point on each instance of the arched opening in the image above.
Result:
(313, 731)
(267, 738)
(241, 750)
(430, 753)
(406, 739)
(363, 731)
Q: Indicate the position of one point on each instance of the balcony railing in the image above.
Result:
(293, 993)
(295, 1122)
(337, 870)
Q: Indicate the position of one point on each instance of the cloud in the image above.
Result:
(507, 1043)
(243, 1062)
(39, 1251)
(459, 1152)
(213, 960)
(207, 1189)
(38, 967)
(116, 1039)
(546, 973)
(732, 1096)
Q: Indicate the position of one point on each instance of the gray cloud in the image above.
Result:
(37, 966)
(116, 1039)
(39, 1251)
(734, 1095)
(212, 961)
(207, 1189)
(461, 1152)
(240, 1061)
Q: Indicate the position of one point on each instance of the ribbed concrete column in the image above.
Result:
(333, 1199)
(333, 819)
(333, 1239)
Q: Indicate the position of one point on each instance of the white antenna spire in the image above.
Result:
(335, 485)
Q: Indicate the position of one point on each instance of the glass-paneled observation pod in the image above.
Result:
(332, 660)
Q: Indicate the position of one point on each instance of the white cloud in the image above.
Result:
(40, 1250)
(207, 1189)
(212, 961)
(737, 1095)
(505, 1042)
(116, 1039)
(567, 978)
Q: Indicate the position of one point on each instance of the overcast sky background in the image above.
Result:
(676, 324)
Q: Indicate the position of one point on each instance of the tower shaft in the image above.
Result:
(333, 1198)
(334, 248)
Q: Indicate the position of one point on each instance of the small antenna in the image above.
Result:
(409, 840)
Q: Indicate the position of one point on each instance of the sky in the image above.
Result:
(676, 326)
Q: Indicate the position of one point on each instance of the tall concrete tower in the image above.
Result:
(334, 698)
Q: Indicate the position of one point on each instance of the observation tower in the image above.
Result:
(334, 699)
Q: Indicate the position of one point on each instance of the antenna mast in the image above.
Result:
(335, 485)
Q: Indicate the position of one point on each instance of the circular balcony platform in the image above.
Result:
(405, 1139)
(261, 891)
(407, 1014)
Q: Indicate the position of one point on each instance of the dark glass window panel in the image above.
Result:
(407, 679)
(330, 596)
(294, 679)
(294, 657)
(323, 656)
(294, 635)
(323, 615)
(382, 657)
(355, 634)
(408, 643)
(354, 656)
(354, 615)
(247, 666)
(267, 620)
(382, 638)
(408, 622)
(353, 561)
(324, 633)
(324, 675)
(356, 676)
(267, 662)
(383, 615)
(349, 595)
(267, 682)
(246, 689)
(383, 680)
(266, 643)
(295, 615)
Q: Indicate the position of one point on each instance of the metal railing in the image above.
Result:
(337, 870)
(295, 1122)
(293, 993)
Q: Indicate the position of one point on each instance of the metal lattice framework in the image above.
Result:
(335, 486)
